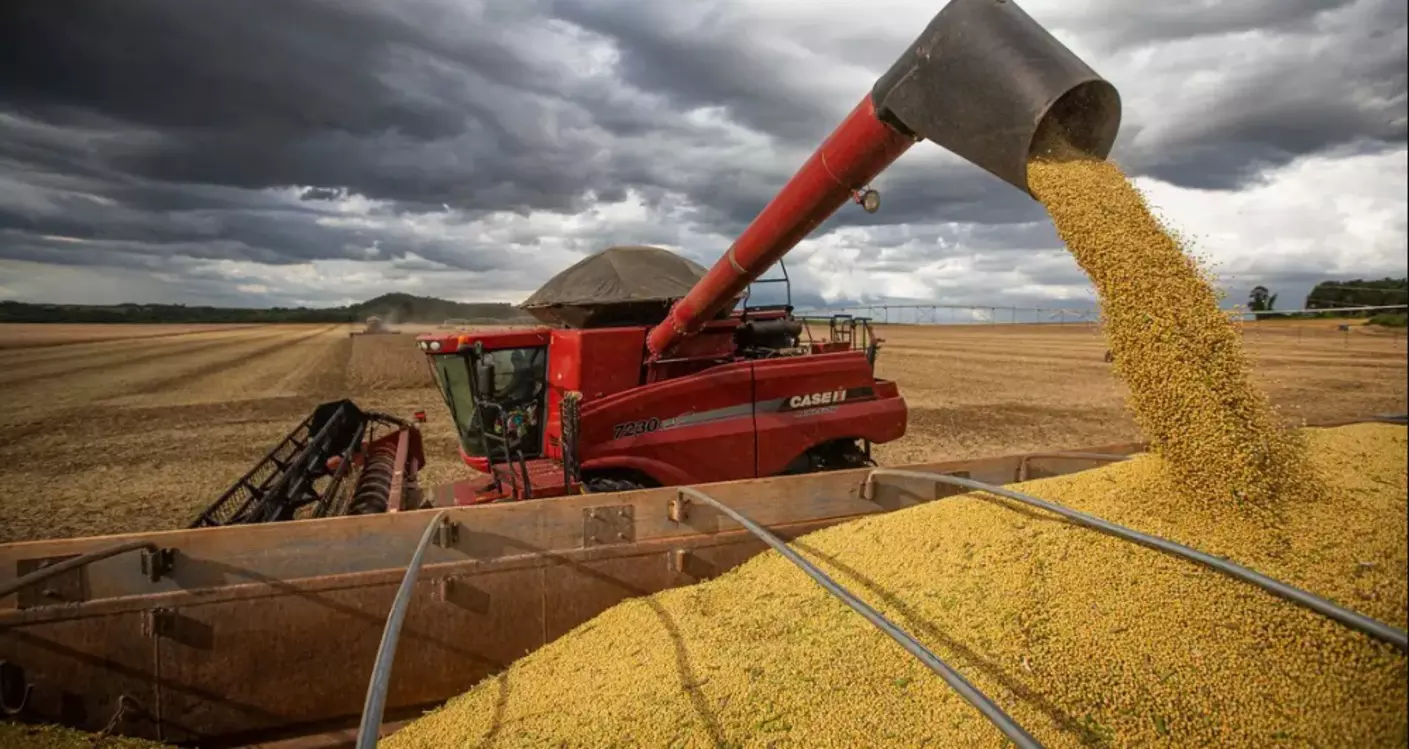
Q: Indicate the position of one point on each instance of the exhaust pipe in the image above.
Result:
(984, 80)
(987, 82)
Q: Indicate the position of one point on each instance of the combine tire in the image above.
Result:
(833, 456)
(609, 485)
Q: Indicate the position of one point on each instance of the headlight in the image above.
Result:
(435, 345)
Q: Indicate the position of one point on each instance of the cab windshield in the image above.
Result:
(517, 388)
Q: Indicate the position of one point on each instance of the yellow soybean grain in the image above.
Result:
(57, 737)
(1190, 386)
(1084, 639)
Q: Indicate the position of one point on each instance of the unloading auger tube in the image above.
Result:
(1358, 622)
(971, 694)
(983, 80)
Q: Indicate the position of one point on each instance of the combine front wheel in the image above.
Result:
(617, 483)
(839, 455)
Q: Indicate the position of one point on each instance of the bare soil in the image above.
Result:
(38, 335)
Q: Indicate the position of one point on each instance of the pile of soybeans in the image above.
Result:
(19, 735)
(1082, 638)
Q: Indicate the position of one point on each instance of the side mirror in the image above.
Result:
(484, 385)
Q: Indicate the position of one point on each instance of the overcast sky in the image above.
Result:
(299, 152)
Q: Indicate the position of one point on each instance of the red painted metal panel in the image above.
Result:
(609, 361)
(717, 450)
(784, 434)
(799, 375)
(782, 437)
(859, 149)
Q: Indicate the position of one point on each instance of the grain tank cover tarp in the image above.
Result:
(627, 285)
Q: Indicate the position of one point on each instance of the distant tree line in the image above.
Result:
(1339, 294)
(1358, 293)
(392, 308)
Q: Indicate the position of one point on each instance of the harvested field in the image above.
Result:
(382, 362)
(37, 335)
(980, 390)
(116, 435)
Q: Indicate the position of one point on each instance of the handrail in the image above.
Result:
(82, 560)
(957, 682)
(1359, 622)
(375, 703)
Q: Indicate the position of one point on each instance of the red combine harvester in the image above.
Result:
(643, 373)
(588, 407)
(654, 390)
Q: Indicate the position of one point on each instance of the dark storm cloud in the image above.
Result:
(1332, 81)
(206, 223)
(158, 129)
(1122, 25)
(328, 94)
(278, 69)
(1338, 79)
(703, 55)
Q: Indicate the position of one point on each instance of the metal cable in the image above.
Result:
(971, 694)
(1359, 622)
(375, 703)
(82, 560)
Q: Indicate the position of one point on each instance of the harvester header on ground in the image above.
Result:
(984, 80)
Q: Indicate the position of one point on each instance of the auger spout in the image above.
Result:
(983, 80)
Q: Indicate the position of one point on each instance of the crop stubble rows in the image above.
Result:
(127, 435)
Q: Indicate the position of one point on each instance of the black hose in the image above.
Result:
(1358, 622)
(40, 575)
(375, 704)
(958, 683)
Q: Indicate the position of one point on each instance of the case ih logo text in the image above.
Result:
(809, 400)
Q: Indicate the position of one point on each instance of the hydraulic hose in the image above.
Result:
(377, 686)
(957, 682)
(1358, 622)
